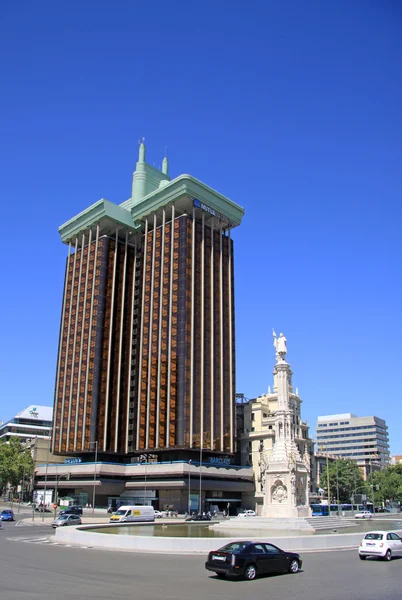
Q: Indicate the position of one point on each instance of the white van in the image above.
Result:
(126, 514)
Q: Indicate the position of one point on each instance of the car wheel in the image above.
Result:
(362, 557)
(294, 566)
(250, 572)
(388, 555)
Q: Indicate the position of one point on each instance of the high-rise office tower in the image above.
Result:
(146, 360)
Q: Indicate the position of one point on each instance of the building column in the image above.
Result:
(169, 367)
(150, 336)
(109, 357)
(78, 398)
(59, 357)
(202, 333)
(129, 399)
(67, 347)
(123, 295)
(192, 331)
(231, 391)
(90, 338)
(144, 272)
(161, 281)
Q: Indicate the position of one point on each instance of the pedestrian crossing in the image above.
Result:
(48, 541)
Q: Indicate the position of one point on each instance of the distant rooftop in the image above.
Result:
(341, 416)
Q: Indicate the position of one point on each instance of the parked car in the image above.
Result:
(41, 508)
(158, 514)
(247, 513)
(64, 520)
(199, 518)
(383, 544)
(7, 515)
(363, 514)
(249, 559)
(72, 510)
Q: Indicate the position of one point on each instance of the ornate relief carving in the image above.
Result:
(279, 492)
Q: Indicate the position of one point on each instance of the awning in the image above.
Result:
(155, 485)
(216, 500)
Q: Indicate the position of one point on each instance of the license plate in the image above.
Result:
(369, 544)
(222, 558)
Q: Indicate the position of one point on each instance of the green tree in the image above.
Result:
(344, 478)
(16, 463)
(388, 484)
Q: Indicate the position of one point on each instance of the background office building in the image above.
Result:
(33, 422)
(363, 439)
(146, 360)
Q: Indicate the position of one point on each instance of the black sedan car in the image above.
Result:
(199, 518)
(249, 559)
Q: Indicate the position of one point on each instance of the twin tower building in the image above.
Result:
(146, 358)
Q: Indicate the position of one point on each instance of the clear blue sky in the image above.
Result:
(291, 109)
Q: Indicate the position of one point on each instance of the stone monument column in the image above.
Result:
(286, 474)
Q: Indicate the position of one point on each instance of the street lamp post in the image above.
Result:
(200, 505)
(329, 491)
(47, 463)
(94, 486)
(337, 485)
(372, 483)
(145, 480)
(189, 497)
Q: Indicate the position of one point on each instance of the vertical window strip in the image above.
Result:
(123, 295)
(90, 339)
(150, 336)
(192, 331)
(142, 334)
(56, 399)
(131, 349)
(67, 352)
(170, 329)
(231, 395)
(161, 287)
(77, 401)
(109, 358)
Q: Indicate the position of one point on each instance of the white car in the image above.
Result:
(363, 514)
(158, 514)
(384, 544)
(247, 513)
(64, 520)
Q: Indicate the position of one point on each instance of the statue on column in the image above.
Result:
(280, 345)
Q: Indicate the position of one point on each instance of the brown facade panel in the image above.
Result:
(99, 381)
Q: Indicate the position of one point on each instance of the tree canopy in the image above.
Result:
(15, 463)
(345, 478)
(388, 484)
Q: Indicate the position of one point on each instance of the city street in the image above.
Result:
(32, 568)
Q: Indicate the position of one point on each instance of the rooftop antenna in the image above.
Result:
(141, 151)
(165, 164)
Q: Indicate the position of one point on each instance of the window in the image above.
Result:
(270, 549)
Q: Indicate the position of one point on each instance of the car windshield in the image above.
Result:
(373, 536)
(6, 512)
(63, 517)
(234, 547)
(120, 512)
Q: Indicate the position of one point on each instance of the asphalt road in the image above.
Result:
(32, 569)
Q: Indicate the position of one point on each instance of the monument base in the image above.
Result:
(273, 511)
